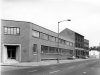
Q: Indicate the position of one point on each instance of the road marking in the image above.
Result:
(55, 71)
(84, 72)
(32, 71)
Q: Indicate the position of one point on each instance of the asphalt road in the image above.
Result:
(88, 67)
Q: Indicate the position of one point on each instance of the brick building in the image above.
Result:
(27, 42)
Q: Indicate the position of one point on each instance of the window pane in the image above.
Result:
(44, 49)
(35, 33)
(41, 35)
(60, 50)
(51, 38)
(46, 36)
(15, 31)
(5, 30)
(67, 43)
(34, 47)
(12, 30)
(8, 30)
(51, 49)
(56, 39)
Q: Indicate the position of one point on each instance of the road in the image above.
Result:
(88, 67)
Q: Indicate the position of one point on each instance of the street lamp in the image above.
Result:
(58, 36)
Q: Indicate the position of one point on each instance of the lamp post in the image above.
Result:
(58, 37)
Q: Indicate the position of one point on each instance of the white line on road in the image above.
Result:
(84, 72)
(55, 71)
(32, 71)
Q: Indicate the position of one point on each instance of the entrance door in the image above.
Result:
(11, 52)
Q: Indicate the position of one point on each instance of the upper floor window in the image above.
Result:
(12, 30)
(44, 36)
(71, 44)
(35, 33)
(56, 39)
(67, 43)
(52, 38)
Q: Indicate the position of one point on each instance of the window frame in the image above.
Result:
(35, 31)
(33, 46)
(10, 30)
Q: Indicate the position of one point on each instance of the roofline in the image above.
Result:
(79, 34)
(30, 23)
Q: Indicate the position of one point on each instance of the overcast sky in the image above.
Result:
(84, 15)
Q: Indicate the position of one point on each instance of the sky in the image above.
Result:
(84, 15)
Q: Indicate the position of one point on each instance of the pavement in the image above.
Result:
(14, 66)
(41, 63)
(72, 67)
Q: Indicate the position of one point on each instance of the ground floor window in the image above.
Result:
(48, 49)
(44, 49)
(34, 48)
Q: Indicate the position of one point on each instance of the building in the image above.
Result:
(69, 34)
(94, 54)
(86, 48)
(27, 42)
(79, 45)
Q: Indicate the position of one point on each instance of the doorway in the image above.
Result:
(11, 53)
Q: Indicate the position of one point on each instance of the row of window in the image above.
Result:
(79, 39)
(79, 45)
(78, 52)
(48, 49)
(12, 30)
(50, 38)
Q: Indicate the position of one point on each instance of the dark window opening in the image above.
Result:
(11, 52)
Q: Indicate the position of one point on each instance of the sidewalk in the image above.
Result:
(42, 63)
(14, 66)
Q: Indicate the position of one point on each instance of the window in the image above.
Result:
(34, 48)
(57, 51)
(44, 49)
(51, 38)
(12, 30)
(71, 52)
(60, 50)
(51, 49)
(44, 36)
(71, 44)
(67, 43)
(60, 40)
(56, 39)
(63, 41)
(35, 33)
(64, 51)
(5, 30)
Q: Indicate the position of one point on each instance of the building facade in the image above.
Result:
(69, 34)
(86, 47)
(27, 42)
(79, 45)
(94, 54)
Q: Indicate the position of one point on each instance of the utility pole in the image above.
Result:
(58, 38)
